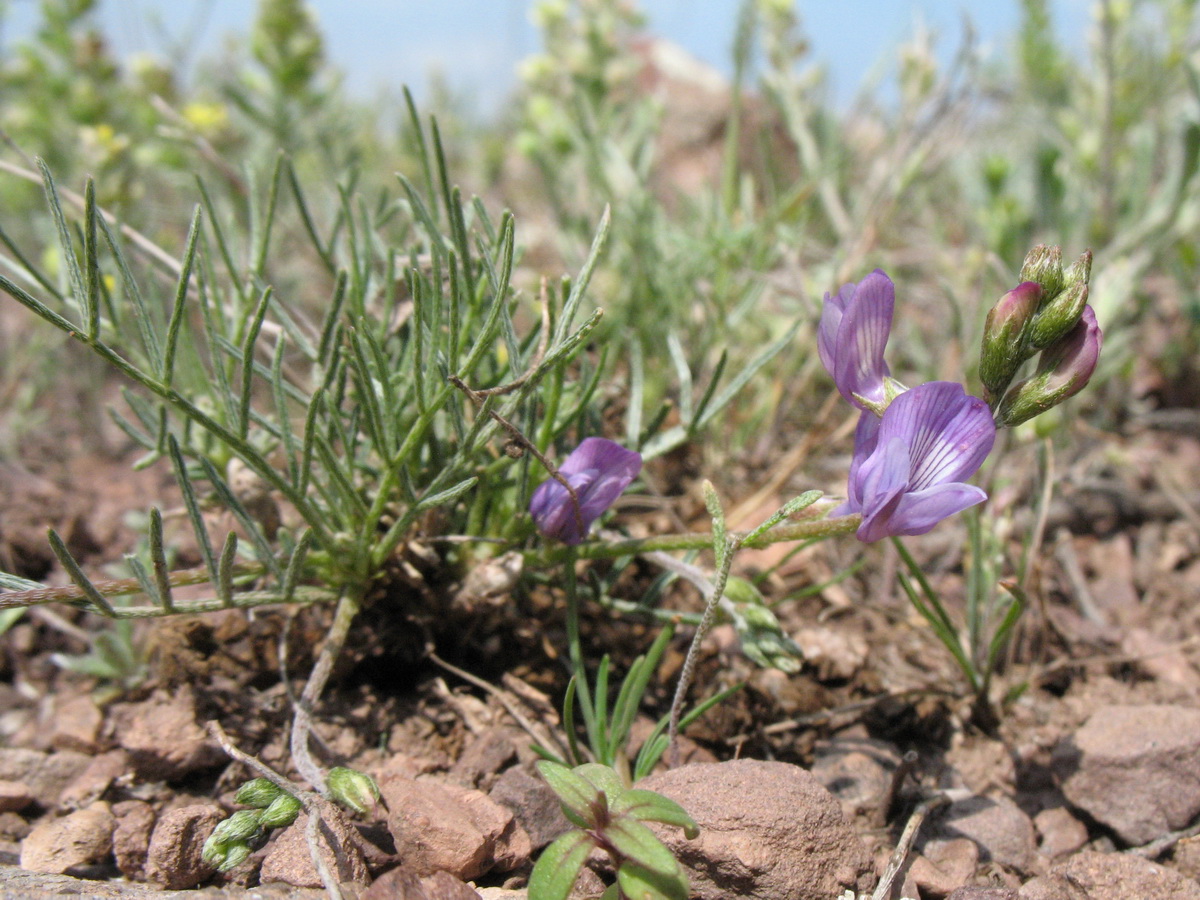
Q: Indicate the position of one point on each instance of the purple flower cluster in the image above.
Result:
(913, 449)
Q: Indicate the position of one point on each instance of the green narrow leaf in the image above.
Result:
(580, 285)
(141, 313)
(241, 285)
(684, 373)
(793, 506)
(192, 506)
(600, 715)
(262, 241)
(306, 217)
(260, 313)
(558, 867)
(175, 322)
(295, 564)
(34, 272)
(158, 560)
(91, 264)
(98, 600)
(329, 330)
(262, 549)
(569, 721)
(66, 244)
(633, 689)
(225, 569)
(712, 387)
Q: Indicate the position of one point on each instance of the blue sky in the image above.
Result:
(476, 44)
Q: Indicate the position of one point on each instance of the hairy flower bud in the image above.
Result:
(1058, 317)
(258, 792)
(241, 826)
(235, 855)
(1005, 344)
(1043, 264)
(1063, 370)
(356, 790)
(282, 812)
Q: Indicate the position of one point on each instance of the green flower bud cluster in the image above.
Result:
(233, 840)
(1046, 314)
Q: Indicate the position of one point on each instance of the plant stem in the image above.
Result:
(796, 531)
(343, 616)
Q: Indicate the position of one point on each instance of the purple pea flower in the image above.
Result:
(908, 468)
(853, 331)
(598, 470)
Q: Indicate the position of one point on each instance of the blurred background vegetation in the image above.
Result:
(736, 202)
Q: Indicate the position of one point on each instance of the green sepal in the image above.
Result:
(647, 806)
(558, 867)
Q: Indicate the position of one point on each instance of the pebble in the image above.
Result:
(767, 830)
(58, 845)
(173, 858)
(1133, 768)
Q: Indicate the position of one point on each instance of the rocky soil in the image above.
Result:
(802, 784)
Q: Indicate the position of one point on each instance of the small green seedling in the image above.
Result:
(608, 816)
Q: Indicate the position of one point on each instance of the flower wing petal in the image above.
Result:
(949, 432)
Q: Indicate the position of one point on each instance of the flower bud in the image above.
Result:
(1058, 317)
(356, 790)
(241, 826)
(1063, 370)
(1004, 336)
(1044, 265)
(258, 792)
(281, 812)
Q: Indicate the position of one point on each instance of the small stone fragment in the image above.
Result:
(948, 865)
(1001, 829)
(1134, 769)
(14, 796)
(90, 785)
(45, 774)
(59, 845)
(767, 830)
(288, 859)
(402, 884)
(487, 754)
(1060, 832)
(445, 827)
(859, 772)
(76, 725)
(1110, 876)
(173, 859)
(131, 838)
(163, 737)
(983, 893)
(535, 806)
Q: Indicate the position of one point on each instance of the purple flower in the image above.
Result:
(853, 331)
(598, 471)
(908, 468)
